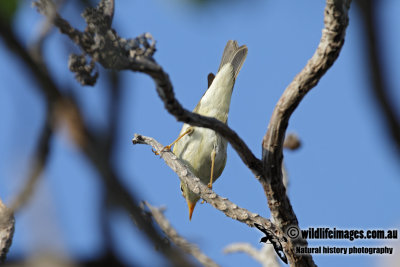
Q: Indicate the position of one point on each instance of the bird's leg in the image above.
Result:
(167, 148)
(188, 131)
(213, 154)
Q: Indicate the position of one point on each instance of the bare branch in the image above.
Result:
(45, 29)
(119, 195)
(39, 71)
(92, 145)
(39, 161)
(223, 204)
(266, 255)
(336, 20)
(7, 223)
(108, 7)
(178, 240)
(52, 96)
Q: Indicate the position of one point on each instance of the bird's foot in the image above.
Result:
(166, 148)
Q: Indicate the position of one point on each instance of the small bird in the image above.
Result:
(202, 149)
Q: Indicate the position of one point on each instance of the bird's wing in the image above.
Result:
(210, 79)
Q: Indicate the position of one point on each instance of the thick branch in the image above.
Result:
(178, 240)
(336, 21)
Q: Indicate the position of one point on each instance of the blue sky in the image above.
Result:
(346, 174)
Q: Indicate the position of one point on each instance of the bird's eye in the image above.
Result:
(182, 189)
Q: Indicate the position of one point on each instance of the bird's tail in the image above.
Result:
(235, 55)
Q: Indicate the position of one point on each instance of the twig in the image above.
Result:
(47, 85)
(47, 25)
(335, 20)
(108, 7)
(39, 161)
(178, 240)
(119, 195)
(265, 256)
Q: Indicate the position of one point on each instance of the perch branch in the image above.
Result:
(223, 204)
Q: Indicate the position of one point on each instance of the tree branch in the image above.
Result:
(223, 204)
(91, 144)
(265, 256)
(335, 20)
(39, 161)
(7, 224)
(178, 240)
(48, 87)
(376, 67)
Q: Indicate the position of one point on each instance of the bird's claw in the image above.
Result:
(166, 148)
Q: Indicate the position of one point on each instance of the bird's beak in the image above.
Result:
(191, 206)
